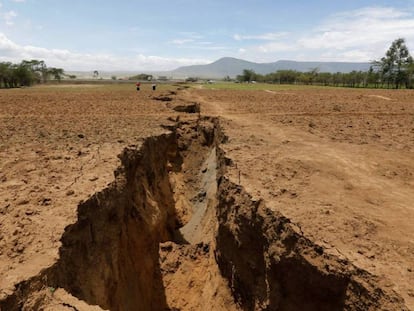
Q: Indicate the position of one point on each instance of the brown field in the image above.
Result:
(336, 165)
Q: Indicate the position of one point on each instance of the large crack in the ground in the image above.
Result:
(172, 232)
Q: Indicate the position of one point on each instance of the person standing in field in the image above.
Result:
(154, 86)
(138, 84)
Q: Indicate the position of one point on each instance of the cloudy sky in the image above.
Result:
(163, 35)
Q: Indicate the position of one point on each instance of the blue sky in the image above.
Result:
(163, 35)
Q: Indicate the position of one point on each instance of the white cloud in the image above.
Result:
(359, 35)
(373, 12)
(165, 63)
(7, 47)
(9, 17)
(68, 60)
(363, 29)
(277, 47)
(191, 35)
(181, 41)
(19, 0)
(266, 36)
(204, 47)
(193, 42)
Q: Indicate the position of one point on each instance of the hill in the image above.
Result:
(228, 66)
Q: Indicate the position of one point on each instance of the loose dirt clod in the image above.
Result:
(163, 98)
(190, 108)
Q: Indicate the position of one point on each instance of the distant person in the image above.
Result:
(138, 84)
(154, 86)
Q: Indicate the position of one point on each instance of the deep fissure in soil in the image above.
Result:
(174, 188)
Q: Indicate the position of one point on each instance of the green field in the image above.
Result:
(254, 86)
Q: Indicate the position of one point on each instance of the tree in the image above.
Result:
(23, 74)
(38, 68)
(96, 74)
(313, 74)
(57, 73)
(410, 76)
(5, 74)
(26, 73)
(304, 78)
(337, 78)
(286, 76)
(373, 77)
(142, 77)
(247, 76)
(395, 63)
(227, 78)
(324, 78)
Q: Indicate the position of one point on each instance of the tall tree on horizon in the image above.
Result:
(394, 65)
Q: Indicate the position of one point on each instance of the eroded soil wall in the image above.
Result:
(270, 265)
(110, 256)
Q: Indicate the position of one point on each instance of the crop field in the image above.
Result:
(218, 196)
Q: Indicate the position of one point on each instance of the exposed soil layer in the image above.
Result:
(112, 257)
(271, 265)
(193, 108)
(336, 162)
(183, 225)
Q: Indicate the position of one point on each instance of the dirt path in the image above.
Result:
(274, 92)
(381, 97)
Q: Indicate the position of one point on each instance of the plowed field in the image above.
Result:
(339, 163)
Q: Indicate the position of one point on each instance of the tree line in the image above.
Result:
(27, 73)
(141, 77)
(394, 70)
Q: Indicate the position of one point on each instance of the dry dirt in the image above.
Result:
(339, 163)
(329, 225)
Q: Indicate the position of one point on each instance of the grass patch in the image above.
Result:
(254, 86)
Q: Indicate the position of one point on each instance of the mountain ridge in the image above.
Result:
(230, 66)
